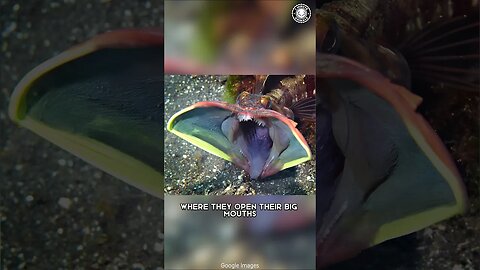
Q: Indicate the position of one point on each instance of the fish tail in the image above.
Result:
(445, 54)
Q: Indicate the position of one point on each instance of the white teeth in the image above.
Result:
(260, 122)
(244, 117)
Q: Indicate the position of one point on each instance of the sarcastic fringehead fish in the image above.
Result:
(382, 171)
(258, 133)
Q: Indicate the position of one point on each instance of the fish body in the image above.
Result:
(382, 172)
(258, 132)
(281, 94)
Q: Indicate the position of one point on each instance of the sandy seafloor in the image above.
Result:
(190, 170)
(57, 212)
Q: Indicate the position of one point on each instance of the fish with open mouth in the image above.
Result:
(258, 133)
(382, 171)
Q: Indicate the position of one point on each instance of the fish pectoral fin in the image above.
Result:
(446, 53)
(305, 109)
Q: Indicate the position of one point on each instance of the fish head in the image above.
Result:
(259, 140)
(249, 101)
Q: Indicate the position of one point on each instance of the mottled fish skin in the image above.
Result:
(292, 96)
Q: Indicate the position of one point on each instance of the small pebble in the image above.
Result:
(158, 247)
(138, 266)
(62, 162)
(29, 198)
(9, 29)
(65, 202)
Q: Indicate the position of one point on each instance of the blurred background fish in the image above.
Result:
(385, 49)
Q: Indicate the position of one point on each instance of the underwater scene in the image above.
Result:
(269, 136)
(110, 123)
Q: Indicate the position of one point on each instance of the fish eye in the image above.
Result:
(243, 95)
(330, 42)
(266, 102)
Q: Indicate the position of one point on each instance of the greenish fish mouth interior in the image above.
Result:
(260, 142)
(97, 96)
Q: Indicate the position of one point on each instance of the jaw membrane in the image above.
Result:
(258, 140)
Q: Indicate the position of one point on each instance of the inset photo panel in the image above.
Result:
(240, 134)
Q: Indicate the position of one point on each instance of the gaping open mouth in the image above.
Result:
(257, 141)
(260, 141)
